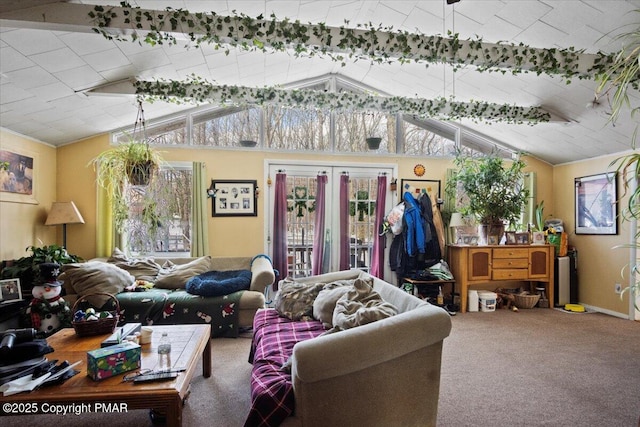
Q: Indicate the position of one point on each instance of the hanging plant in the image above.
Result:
(197, 90)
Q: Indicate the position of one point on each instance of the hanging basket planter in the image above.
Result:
(248, 143)
(373, 142)
(140, 173)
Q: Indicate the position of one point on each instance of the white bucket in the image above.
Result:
(487, 300)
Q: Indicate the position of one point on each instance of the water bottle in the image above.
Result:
(164, 353)
(165, 345)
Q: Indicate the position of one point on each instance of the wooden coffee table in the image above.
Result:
(188, 344)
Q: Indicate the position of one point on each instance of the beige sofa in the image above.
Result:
(99, 275)
(385, 373)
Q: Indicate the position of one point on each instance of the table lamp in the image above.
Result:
(64, 213)
(456, 222)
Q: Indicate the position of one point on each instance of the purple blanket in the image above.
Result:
(271, 389)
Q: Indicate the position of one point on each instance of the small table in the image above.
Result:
(188, 344)
(417, 282)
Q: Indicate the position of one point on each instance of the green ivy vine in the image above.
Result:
(197, 90)
(377, 43)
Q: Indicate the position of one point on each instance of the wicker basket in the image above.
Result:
(96, 327)
(526, 300)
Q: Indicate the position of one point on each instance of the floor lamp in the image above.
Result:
(64, 213)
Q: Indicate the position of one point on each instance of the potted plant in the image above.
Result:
(26, 268)
(133, 162)
(491, 192)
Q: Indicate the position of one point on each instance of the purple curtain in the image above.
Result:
(344, 222)
(280, 228)
(318, 235)
(377, 258)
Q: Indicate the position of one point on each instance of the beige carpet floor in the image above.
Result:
(537, 367)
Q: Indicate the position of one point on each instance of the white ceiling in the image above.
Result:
(44, 73)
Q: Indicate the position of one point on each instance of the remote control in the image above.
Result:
(160, 376)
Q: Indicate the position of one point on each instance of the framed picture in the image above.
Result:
(522, 238)
(419, 186)
(234, 198)
(17, 177)
(596, 207)
(510, 237)
(10, 290)
(469, 239)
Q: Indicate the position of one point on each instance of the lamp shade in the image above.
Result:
(64, 213)
(457, 220)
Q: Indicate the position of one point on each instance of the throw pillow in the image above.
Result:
(218, 283)
(172, 276)
(295, 300)
(93, 277)
(141, 268)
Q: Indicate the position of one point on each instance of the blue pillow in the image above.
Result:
(218, 283)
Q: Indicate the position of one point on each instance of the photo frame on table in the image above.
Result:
(419, 186)
(523, 238)
(234, 198)
(10, 290)
(17, 176)
(596, 209)
(510, 237)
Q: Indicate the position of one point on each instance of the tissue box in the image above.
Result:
(113, 360)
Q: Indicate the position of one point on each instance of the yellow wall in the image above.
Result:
(22, 224)
(599, 264)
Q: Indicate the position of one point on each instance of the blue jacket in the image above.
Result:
(414, 226)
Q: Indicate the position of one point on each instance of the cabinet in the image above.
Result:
(471, 265)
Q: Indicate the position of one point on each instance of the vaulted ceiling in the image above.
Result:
(48, 64)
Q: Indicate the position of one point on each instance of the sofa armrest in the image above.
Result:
(326, 356)
(262, 274)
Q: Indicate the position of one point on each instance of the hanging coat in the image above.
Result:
(414, 233)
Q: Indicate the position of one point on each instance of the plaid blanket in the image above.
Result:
(271, 389)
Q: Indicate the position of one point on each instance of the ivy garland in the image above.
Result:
(197, 90)
(378, 44)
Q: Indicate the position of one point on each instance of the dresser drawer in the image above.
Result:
(510, 263)
(511, 253)
(510, 274)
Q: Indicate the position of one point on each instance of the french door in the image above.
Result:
(301, 213)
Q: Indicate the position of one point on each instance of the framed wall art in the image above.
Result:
(419, 186)
(10, 290)
(595, 204)
(17, 177)
(234, 198)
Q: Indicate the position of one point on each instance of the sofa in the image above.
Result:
(155, 290)
(382, 373)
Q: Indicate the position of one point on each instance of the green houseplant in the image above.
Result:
(618, 77)
(26, 268)
(490, 192)
(133, 162)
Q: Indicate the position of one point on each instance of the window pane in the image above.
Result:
(352, 129)
(160, 214)
(297, 129)
(166, 133)
(227, 130)
(419, 141)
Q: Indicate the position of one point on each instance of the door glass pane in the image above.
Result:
(301, 194)
(362, 207)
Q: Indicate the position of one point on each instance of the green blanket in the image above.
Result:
(171, 307)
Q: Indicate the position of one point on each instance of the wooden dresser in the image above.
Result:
(472, 265)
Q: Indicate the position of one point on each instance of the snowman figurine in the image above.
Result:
(48, 312)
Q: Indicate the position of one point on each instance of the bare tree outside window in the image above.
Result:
(168, 229)
(352, 130)
(297, 129)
